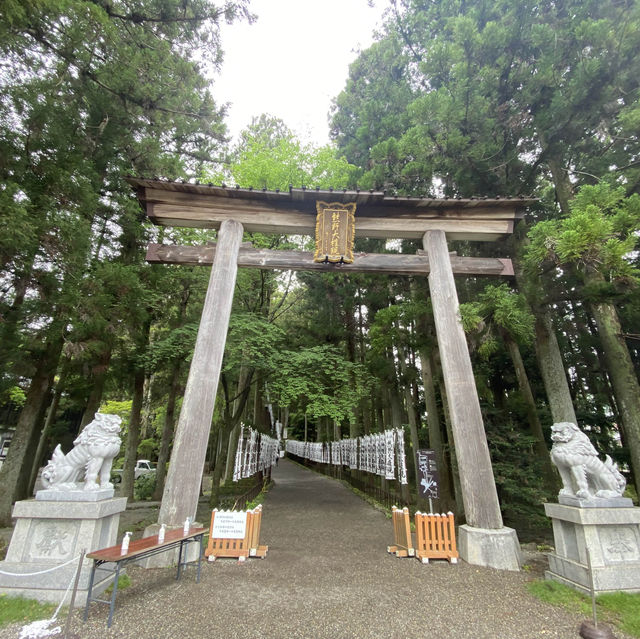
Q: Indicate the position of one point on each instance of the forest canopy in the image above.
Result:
(453, 99)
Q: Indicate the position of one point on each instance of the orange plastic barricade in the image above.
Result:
(243, 545)
(402, 533)
(435, 537)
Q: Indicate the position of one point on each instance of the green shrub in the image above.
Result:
(144, 487)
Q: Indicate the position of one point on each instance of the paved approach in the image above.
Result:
(327, 575)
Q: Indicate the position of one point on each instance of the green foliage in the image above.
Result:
(270, 157)
(517, 472)
(600, 234)
(499, 310)
(22, 610)
(147, 448)
(392, 323)
(319, 380)
(16, 395)
(144, 486)
(251, 339)
(120, 408)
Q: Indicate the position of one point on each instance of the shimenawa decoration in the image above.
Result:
(381, 454)
(256, 452)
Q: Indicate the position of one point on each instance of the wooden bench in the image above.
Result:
(139, 549)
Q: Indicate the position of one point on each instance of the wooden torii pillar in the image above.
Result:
(483, 540)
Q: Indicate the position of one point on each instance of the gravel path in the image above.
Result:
(327, 575)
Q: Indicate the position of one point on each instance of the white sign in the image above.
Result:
(229, 524)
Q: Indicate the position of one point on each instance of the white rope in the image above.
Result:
(41, 628)
(40, 572)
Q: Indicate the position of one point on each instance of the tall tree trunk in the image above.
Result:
(535, 427)
(16, 470)
(167, 432)
(11, 320)
(411, 411)
(133, 435)
(552, 369)
(218, 469)
(46, 429)
(622, 374)
(99, 375)
(446, 499)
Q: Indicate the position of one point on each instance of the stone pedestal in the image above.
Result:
(612, 537)
(50, 533)
(495, 548)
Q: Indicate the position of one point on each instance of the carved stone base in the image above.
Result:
(612, 538)
(495, 548)
(50, 533)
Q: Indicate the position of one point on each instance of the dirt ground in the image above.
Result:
(327, 574)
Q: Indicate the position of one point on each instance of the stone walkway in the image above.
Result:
(327, 575)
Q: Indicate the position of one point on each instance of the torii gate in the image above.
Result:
(484, 540)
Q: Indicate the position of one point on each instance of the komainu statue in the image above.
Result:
(583, 474)
(91, 457)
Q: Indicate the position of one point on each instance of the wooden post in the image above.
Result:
(479, 494)
(182, 488)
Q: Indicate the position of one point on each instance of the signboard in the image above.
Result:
(229, 524)
(335, 231)
(427, 474)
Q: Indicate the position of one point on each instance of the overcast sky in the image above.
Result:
(293, 60)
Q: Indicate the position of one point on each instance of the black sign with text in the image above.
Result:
(427, 474)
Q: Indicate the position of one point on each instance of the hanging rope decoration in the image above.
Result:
(381, 454)
(256, 452)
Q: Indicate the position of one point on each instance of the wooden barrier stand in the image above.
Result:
(235, 534)
(435, 537)
(402, 533)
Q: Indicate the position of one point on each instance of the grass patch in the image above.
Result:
(124, 581)
(626, 608)
(620, 609)
(19, 609)
(552, 592)
(259, 499)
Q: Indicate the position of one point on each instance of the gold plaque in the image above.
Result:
(335, 231)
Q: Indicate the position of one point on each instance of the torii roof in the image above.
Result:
(293, 211)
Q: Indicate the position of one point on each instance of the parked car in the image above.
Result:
(143, 466)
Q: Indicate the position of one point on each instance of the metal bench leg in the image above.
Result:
(180, 559)
(200, 551)
(86, 607)
(112, 605)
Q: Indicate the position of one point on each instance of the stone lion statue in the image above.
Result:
(583, 474)
(91, 457)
